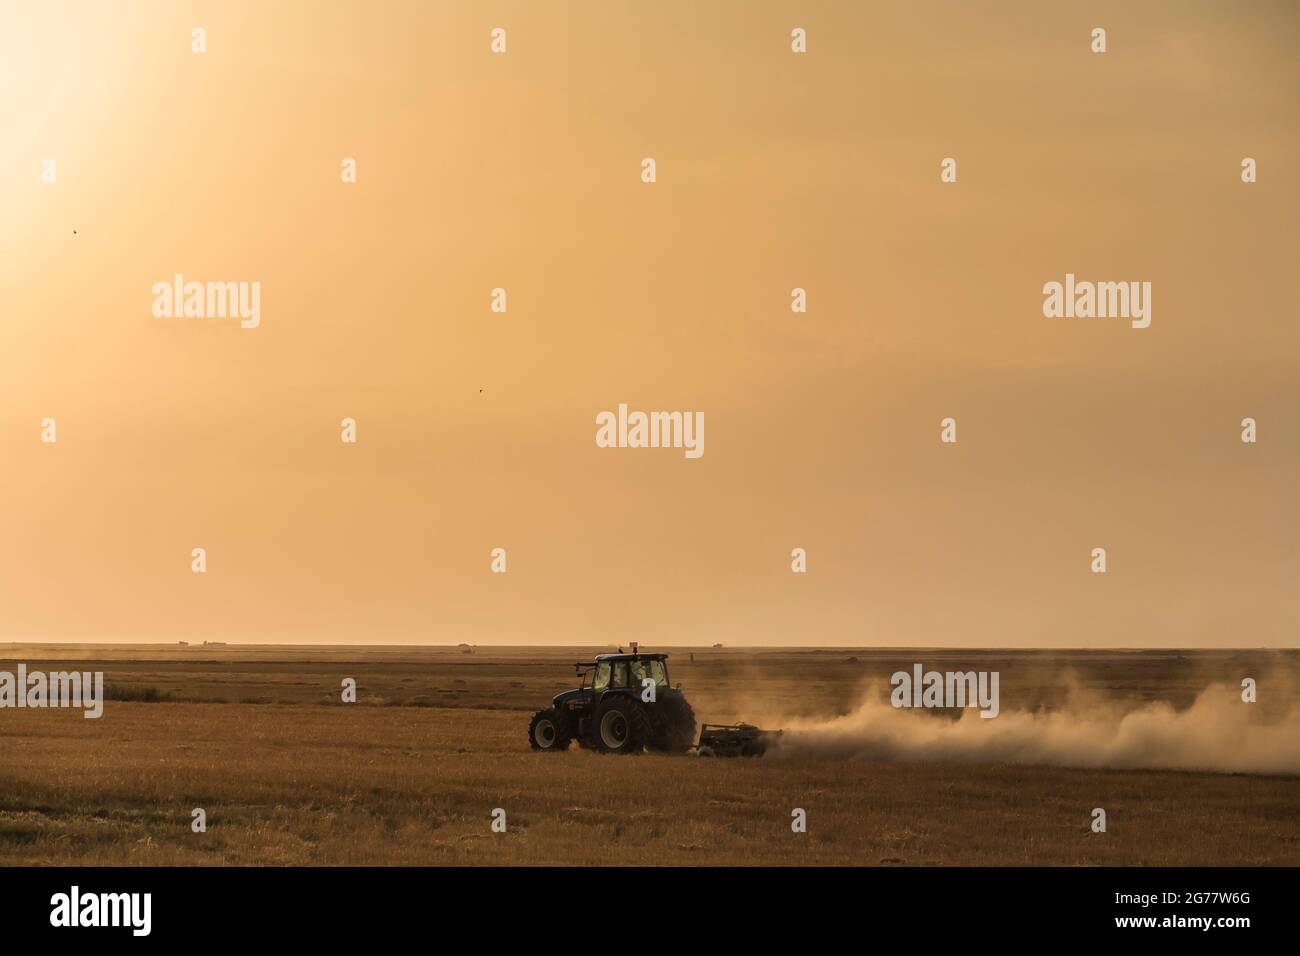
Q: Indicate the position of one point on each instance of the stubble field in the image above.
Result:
(412, 772)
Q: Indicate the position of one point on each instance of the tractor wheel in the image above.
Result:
(674, 722)
(549, 730)
(621, 726)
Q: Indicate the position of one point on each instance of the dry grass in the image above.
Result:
(412, 773)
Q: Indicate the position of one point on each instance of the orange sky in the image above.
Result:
(775, 170)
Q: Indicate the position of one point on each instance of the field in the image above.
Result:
(410, 774)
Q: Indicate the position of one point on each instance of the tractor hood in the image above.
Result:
(577, 694)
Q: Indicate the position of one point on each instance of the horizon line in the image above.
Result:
(707, 647)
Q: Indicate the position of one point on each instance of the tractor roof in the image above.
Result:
(631, 657)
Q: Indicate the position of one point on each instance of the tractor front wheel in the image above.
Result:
(549, 730)
(621, 726)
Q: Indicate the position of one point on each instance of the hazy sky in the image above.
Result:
(775, 170)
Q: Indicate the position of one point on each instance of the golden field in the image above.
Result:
(410, 774)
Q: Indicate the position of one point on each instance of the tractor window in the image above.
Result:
(602, 677)
(655, 670)
(620, 674)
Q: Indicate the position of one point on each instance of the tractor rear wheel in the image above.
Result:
(674, 722)
(621, 726)
(549, 730)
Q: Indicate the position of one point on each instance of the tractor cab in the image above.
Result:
(608, 673)
(627, 672)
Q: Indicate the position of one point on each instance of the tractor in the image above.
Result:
(623, 704)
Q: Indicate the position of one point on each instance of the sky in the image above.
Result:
(775, 170)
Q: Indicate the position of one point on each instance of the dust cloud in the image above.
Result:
(1218, 732)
